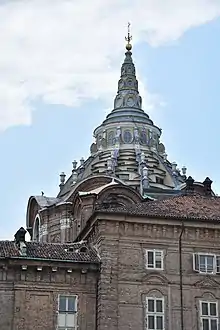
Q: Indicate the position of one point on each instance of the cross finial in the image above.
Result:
(128, 38)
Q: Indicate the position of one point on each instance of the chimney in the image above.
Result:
(189, 185)
(20, 241)
(207, 184)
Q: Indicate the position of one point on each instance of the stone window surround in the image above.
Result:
(155, 259)
(208, 317)
(64, 223)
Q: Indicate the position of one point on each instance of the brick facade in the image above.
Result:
(29, 298)
(125, 282)
(112, 295)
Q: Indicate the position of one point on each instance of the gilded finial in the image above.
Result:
(128, 38)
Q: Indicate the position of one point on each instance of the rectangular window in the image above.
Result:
(67, 313)
(206, 263)
(159, 180)
(154, 259)
(209, 315)
(124, 176)
(154, 313)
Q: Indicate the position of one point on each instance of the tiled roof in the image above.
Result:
(178, 207)
(52, 251)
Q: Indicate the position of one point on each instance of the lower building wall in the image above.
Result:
(33, 305)
(126, 281)
(132, 305)
(6, 307)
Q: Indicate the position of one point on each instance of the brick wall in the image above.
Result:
(125, 282)
(29, 298)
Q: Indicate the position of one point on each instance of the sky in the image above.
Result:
(59, 66)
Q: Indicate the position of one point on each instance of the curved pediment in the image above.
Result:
(155, 278)
(120, 195)
(90, 184)
(207, 281)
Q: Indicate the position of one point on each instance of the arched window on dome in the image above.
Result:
(127, 136)
(143, 137)
(111, 138)
(36, 230)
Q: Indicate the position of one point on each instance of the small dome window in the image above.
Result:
(111, 138)
(127, 136)
(143, 138)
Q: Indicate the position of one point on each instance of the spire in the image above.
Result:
(128, 38)
(128, 95)
(128, 102)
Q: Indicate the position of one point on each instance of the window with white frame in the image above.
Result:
(154, 313)
(209, 315)
(206, 263)
(154, 259)
(67, 313)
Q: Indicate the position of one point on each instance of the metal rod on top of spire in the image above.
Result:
(128, 38)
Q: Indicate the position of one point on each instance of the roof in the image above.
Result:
(178, 207)
(50, 251)
(45, 201)
(96, 191)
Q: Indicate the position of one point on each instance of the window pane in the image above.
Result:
(70, 320)
(158, 255)
(210, 264)
(158, 264)
(150, 259)
(62, 320)
(218, 264)
(213, 325)
(62, 304)
(205, 309)
(151, 325)
(150, 305)
(159, 306)
(205, 324)
(202, 263)
(213, 310)
(71, 304)
(159, 325)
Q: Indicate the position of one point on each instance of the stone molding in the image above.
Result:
(43, 231)
(64, 223)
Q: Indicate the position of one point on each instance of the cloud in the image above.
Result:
(67, 51)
